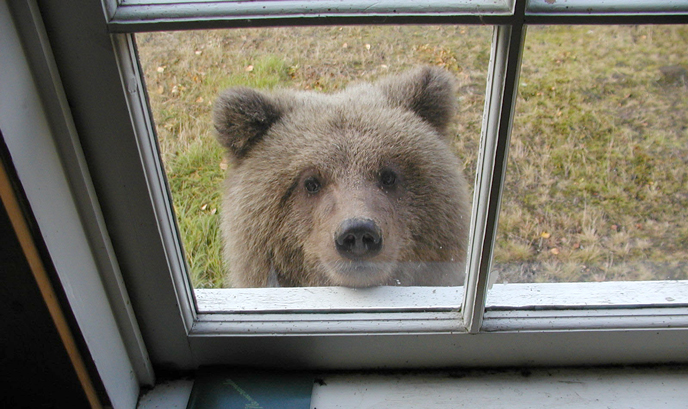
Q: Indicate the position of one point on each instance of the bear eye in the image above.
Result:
(312, 185)
(388, 178)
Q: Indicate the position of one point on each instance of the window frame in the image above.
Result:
(38, 129)
(129, 208)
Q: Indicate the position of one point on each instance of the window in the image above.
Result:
(594, 157)
(353, 329)
(184, 73)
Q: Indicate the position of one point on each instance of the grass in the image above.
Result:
(597, 183)
(597, 180)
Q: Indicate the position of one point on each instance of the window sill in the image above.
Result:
(510, 307)
(613, 294)
(662, 386)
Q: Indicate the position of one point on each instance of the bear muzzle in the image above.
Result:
(358, 239)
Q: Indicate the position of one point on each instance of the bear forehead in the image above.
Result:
(343, 124)
(362, 137)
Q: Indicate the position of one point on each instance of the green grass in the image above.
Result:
(195, 177)
(597, 178)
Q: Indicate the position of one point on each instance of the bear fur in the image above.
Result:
(359, 188)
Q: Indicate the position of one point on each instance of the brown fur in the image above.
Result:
(277, 233)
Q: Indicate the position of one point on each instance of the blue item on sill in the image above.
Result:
(250, 389)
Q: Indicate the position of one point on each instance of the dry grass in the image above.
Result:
(597, 183)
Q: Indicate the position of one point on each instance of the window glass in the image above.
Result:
(185, 72)
(597, 179)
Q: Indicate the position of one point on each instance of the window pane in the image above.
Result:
(185, 72)
(597, 181)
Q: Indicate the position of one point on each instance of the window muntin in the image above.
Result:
(596, 174)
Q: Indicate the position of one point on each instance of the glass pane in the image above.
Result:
(597, 182)
(186, 71)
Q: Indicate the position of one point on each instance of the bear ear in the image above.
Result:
(242, 116)
(429, 92)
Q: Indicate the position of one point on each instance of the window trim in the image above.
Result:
(606, 8)
(37, 127)
(129, 16)
(151, 15)
(145, 245)
(105, 130)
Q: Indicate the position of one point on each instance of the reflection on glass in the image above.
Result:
(185, 72)
(597, 182)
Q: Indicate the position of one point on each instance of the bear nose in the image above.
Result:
(358, 239)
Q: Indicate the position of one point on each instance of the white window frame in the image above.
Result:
(104, 141)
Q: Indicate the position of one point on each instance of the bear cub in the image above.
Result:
(358, 188)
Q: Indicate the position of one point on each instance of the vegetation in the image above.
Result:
(597, 183)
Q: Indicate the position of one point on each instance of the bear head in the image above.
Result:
(358, 188)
